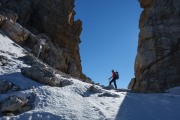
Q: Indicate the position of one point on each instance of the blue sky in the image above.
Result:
(109, 38)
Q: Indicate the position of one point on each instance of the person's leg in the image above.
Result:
(110, 82)
(115, 84)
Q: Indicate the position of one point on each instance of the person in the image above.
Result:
(113, 79)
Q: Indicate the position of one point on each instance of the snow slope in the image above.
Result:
(75, 102)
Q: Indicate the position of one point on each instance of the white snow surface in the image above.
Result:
(74, 102)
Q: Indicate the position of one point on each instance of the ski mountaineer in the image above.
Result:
(113, 79)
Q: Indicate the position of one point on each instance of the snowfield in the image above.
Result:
(76, 102)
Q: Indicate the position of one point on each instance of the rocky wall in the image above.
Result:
(54, 19)
(157, 65)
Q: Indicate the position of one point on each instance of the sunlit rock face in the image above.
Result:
(50, 21)
(157, 63)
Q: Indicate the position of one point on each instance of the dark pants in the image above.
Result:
(113, 80)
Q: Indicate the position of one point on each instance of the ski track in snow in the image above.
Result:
(74, 102)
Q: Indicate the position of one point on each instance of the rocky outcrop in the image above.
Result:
(15, 105)
(45, 76)
(12, 104)
(6, 86)
(157, 65)
(52, 33)
(3, 60)
(41, 75)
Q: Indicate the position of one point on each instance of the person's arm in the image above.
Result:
(111, 77)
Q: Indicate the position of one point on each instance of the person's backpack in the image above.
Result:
(117, 75)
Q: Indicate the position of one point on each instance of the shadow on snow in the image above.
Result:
(149, 107)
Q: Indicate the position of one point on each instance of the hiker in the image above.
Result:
(113, 79)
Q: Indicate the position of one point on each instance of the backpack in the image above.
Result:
(117, 75)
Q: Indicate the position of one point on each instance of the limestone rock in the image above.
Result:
(131, 84)
(3, 60)
(44, 76)
(12, 104)
(15, 31)
(41, 75)
(15, 105)
(108, 87)
(108, 94)
(65, 82)
(2, 19)
(157, 65)
(54, 19)
(6, 86)
(95, 89)
(145, 3)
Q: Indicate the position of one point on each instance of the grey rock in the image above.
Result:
(12, 104)
(55, 20)
(95, 89)
(131, 84)
(157, 65)
(65, 82)
(3, 60)
(107, 94)
(15, 31)
(6, 86)
(41, 75)
(108, 87)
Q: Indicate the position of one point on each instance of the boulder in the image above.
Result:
(108, 94)
(3, 60)
(108, 87)
(41, 75)
(65, 82)
(15, 105)
(45, 76)
(95, 89)
(15, 31)
(6, 86)
(12, 104)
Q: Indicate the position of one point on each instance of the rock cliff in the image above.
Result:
(157, 65)
(47, 29)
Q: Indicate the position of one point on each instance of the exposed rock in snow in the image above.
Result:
(12, 104)
(6, 86)
(44, 76)
(65, 82)
(15, 31)
(109, 87)
(108, 94)
(15, 105)
(41, 75)
(95, 89)
(3, 60)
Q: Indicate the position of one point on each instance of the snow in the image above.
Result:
(75, 102)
